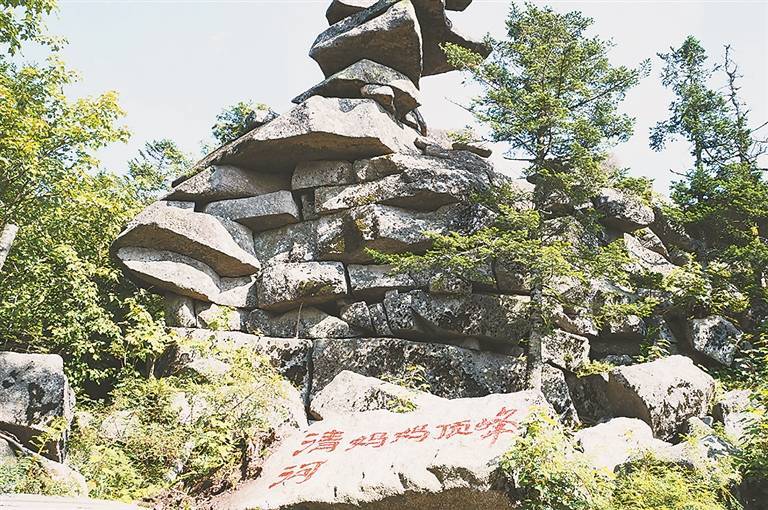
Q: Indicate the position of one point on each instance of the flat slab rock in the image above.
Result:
(451, 372)
(444, 456)
(224, 183)
(30, 501)
(319, 128)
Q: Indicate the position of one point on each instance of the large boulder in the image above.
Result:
(285, 286)
(187, 277)
(645, 259)
(565, 350)
(218, 182)
(616, 442)
(262, 212)
(34, 396)
(313, 174)
(737, 412)
(425, 186)
(554, 387)
(319, 128)
(445, 455)
(451, 372)
(663, 393)
(376, 280)
(495, 318)
(306, 322)
(622, 210)
(716, 338)
(387, 32)
(354, 393)
(223, 245)
(351, 81)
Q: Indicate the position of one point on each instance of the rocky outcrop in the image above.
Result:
(614, 443)
(34, 396)
(444, 455)
(662, 393)
(716, 338)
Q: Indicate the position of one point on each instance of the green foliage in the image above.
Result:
(547, 473)
(235, 121)
(178, 431)
(26, 475)
(594, 367)
(414, 378)
(552, 94)
(22, 20)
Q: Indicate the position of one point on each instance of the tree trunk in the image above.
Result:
(7, 236)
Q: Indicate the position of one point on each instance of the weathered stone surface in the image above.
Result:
(34, 392)
(649, 240)
(612, 444)
(358, 316)
(511, 277)
(291, 356)
(590, 397)
(340, 9)
(7, 236)
(179, 311)
(349, 83)
(263, 212)
(480, 150)
(221, 182)
(663, 393)
(285, 286)
(387, 32)
(314, 174)
(671, 233)
(555, 389)
(319, 128)
(382, 94)
(223, 245)
(457, 5)
(376, 280)
(715, 337)
(451, 372)
(346, 236)
(187, 277)
(499, 319)
(735, 410)
(427, 187)
(565, 350)
(354, 393)
(379, 320)
(307, 322)
(382, 460)
(26, 501)
(213, 316)
(646, 259)
(623, 211)
(442, 163)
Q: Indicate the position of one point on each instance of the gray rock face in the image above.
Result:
(290, 356)
(555, 389)
(715, 337)
(379, 322)
(263, 212)
(357, 315)
(220, 182)
(314, 174)
(498, 319)
(7, 236)
(340, 9)
(346, 236)
(426, 188)
(380, 459)
(212, 316)
(512, 278)
(613, 444)
(382, 94)
(34, 392)
(308, 322)
(622, 211)
(590, 397)
(179, 311)
(735, 410)
(646, 259)
(285, 286)
(663, 393)
(565, 350)
(224, 246)
(387, 33)
(349, 83)
(375, 280)
(319, 128)
(451, 372)
(187, 277)
(354, 393)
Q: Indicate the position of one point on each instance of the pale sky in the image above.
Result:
(176, 64)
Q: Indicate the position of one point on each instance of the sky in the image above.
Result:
(176, 64)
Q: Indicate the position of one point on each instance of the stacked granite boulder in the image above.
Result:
(270, 243)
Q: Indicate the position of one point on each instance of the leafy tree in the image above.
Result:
(21, 20)
(552, 94)
(235, 121)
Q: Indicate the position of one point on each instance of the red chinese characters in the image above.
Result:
(327, 442)
(304, 472)
(459, 428)
(419, 433)
(501, 424)
(375, 440)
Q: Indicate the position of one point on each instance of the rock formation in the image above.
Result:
(276, 229)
